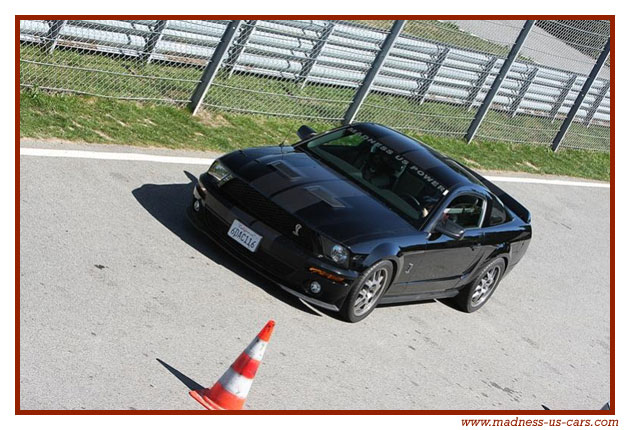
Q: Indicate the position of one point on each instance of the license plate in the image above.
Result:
(244, 235)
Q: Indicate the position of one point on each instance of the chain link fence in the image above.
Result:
(552, 86)
(433, 80)
(297, 69)
(447, 72)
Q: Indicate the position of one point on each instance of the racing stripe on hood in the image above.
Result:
(301, 197)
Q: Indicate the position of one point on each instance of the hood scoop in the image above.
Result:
(324, 196)
(285, 170)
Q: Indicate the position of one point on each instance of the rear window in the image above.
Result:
(498, 214)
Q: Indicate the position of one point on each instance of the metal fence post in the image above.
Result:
(483, 76)
(239, 45)
(432, 71)
(364, 87)
(580, 98)
(598, 100)
(516, 103)
(154, 38)
(308, 65)
(562, 97)
(53, 34)
(213, 66)
(505, 68)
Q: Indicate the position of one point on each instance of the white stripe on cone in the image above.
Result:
(256, 349)
(236, 383)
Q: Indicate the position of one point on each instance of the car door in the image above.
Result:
(441, 262)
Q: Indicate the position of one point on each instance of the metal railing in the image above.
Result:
(431, 77)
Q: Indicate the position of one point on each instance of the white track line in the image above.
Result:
(121, 156)
(547, 181)
(133, 156)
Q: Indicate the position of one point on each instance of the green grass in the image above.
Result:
(523, 158)
(98, 120)
(106, 75)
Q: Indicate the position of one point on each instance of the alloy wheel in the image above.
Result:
(485, 286)
(370, 291)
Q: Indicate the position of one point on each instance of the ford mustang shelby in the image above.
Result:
(362, 215)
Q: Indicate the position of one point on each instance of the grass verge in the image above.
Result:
(96, 120)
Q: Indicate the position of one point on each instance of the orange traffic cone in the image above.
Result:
(230, 391)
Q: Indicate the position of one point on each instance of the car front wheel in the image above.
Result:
(478, 293)
(366, 291)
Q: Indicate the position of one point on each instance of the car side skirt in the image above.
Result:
(419, 297)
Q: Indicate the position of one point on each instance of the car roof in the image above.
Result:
(445, 170)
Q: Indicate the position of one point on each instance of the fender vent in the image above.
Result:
(325, 196)
(285, 170)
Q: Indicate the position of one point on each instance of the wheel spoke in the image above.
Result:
(370, 291)
(376, 290)
(362, 300)
(485, 286)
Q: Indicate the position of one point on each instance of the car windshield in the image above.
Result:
(400, 184)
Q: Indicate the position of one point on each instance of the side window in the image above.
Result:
(467, 211)
(498, 214)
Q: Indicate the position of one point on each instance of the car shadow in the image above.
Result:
(167, 203)
(451, 303)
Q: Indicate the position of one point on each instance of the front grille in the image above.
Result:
(218, 229)
(263, 209)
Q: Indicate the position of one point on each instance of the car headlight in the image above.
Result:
(337, 253)
(219, 172)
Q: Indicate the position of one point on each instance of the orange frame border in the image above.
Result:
(612, 410)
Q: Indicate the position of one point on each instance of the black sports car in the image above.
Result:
(362, 215)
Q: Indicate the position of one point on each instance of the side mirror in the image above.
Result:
(449, 228)
(305, 132)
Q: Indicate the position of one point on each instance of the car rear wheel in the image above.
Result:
(367, 291)
(478, 293)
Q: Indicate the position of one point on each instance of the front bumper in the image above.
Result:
(278, 258)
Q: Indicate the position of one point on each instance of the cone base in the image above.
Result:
(198, 395)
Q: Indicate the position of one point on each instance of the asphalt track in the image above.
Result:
(123, 305)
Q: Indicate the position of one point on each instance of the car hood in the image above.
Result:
(321, 198)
